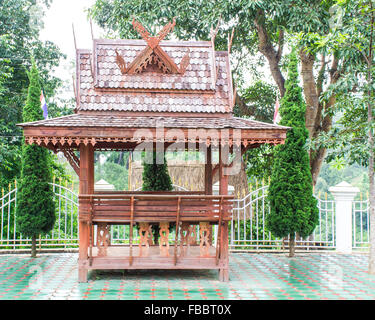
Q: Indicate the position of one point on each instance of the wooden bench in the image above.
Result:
(183, 209)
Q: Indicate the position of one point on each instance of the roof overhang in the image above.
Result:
(126, 132)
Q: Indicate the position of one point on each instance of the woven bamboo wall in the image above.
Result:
(190, 175)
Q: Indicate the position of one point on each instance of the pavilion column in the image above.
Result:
(208, 180)
(223, 190)
(208, 172)
(86, 186)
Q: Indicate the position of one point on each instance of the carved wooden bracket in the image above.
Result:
(72, 159)
(153, 54)
(144, 235)
(204, 236)
(164, 239)
(103, 239)
(188, 236)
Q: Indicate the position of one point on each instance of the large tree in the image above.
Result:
(352, 136)
(293, 206)
(35, 204)
(6, 153)
(262, 26)
(20, 25)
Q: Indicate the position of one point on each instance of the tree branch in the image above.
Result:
(321, 73)
(266, 48)
(280, 45)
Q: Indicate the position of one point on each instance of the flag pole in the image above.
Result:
(276, 115)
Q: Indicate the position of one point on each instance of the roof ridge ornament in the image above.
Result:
(153, 42)
(153, 53)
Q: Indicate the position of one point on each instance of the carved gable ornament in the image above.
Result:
(153, 57)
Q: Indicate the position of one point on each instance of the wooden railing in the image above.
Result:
(125, 208)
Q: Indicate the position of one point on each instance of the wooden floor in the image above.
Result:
(153, 251)
(118, 258)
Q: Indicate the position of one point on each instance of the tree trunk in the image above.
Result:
(316, 161)
(266, 48)
(316, 122)
(292, 246)
(33, 246)
(309, 90)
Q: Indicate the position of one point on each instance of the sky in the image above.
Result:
(58, 22)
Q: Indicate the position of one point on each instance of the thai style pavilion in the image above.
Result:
(134, 94)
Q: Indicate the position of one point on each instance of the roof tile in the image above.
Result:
(198, 78)
(105, 120)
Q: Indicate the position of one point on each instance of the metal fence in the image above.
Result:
(248, 230)
(64, 235)
(361, 224)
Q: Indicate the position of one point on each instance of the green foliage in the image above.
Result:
(293, 207)
(350, 40)
(36, 208)
(259, 162)
(260, 99)
(113, 173)
(196, 17)
(19, 39)
(330, 175)
(156, 176)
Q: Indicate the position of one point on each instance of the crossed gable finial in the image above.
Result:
(153, 53)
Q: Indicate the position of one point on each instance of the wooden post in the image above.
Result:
(223, 236)
(86, 186)
(208, 172)
(208, 179)
(131, 231)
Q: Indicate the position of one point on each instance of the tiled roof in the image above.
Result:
(205, 87)
(198, 76)
(98, 121)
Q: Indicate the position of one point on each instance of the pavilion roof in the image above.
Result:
(71, 130)
(205, 87)
(118, 121)
(126, 85)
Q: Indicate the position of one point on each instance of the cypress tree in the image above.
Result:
(293, 206)
(156, 178)
(35, 204)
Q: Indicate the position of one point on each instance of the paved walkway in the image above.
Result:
(252, 276)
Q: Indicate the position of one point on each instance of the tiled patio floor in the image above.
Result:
(252, 276)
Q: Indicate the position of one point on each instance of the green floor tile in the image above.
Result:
(253, 276)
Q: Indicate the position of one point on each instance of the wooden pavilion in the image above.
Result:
(155, 93)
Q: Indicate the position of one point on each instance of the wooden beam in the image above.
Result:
(223, 236)
(208, 172)
(72, 159)
(219, 244)
(131, 230)
(223, 160)
(177, 229)
(86, 186)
